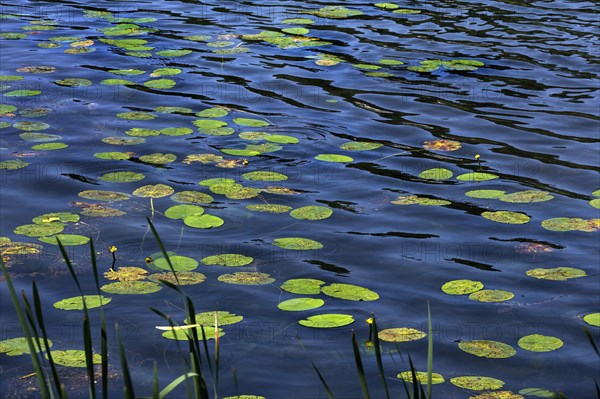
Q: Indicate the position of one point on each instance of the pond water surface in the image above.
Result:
(517, 98)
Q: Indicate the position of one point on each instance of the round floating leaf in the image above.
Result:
(122, 177)
(298, 21)
(180, 263)
(117, 82)
(18, 346)
(462, 287)
(127, 273)
(442, 145)
(192, 197)
(261, 175)
(402, 334)
(184, 333)
(295, 31)
(158, 158)
(183, 278)
(421, 377)
(239, 192)
(64, 217)
(329, 320)
(240, 153)
(33, 112)
(270, 208)
(334, 158)
(498, 395)
(527, 196)
(207, 124)
(204, 221)
(22, 93)
(414, 200)
(220, 43)
(250, 122)
(350, 292)
(476, 176)
(7, 110)
(154, 191)
(436, 174)
(263, 148)
(368, 67)
(247, 278)
(386, 61)
(595, 203)
(183, 211)
(224, 318)
(540, 343)
(141, 132)
(8, 248)
(165, 72)
(131, 287)
(489, 349)
(254, 135)
(485, 194)
(299, 304)
(49, 146)
(538, 392)
(40, 230)
(556, 274)
(477, 383)
(73, 358)
(172, 53)
(360, 146)
(136, 116)
(311, 212)
(102, 195)
(160, 84)
(76, 302)
(173, 110)
(228, 260)
(491, 296)
(296, 243)
(123, 140)
(506, 217)
(101, 211)
(303, 286)
(176, 131)
(13, 164)
(113, 155)
(213, 113)
(31, 126)
(66, 239)
(281, 139)
(280, 190)
(128, 72)
(73, 82)
(593, 319)
(569, 224)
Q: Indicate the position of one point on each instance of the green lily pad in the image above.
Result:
(137, 116)
(103, 195)
(526, 196)
(183, 278)
(220, 43)
(220, 131)
(34, 112)
(165, 72)
(184, 334)
(538, 392)
(507, 217)
(74, 82)
(192, 197)
(117, 82)
(570, 224)
(180, 263)
(491, 296)
(153, 191)
(173, 110)
(329, 320)
(128, 72)
(73, 358)
(40, 230)
(416, 200)
(485, 194)
(263, 148)
(228, 260)
(390, 62)
(49, 146)
(296, 243)
(303, 286)
(263, 175)
(593, 319)
(13, 164)
(247, 278)
(234, 50)
(556, 274)
(311, 213)
(76, 302)
(489, 349)
(39, 137)
(237, 191)
(281, 139)
(207, 124)
(335, 12)
(123, 140)
(300, 304)
(295, 31)
(224, 318)
(112, 155)
(270, 208)
(436, 174)
(476, 176)
(595, 203)
(142, 132)
(158, 158)
(387, 6)
(540, 343)
(22, 93)
(122, 177)
(368, 67)
(334, 158)
(402, 334)
(421, 377)
(64, 217)
(298, 21)
(250, 122)
(131, 287)
(204, 221)
(176, 131)
(213, 113)
(126, 273)
(31, 126)
(240, 153)
(65, 239)
(183, 211)
(350, 292)
(255, 136)
(18, 346)
(360, 146)
(160, 84)
(462, 287)
(173, 53)
(7, 109)
(477, 383)
(101, 211)
(9, 247)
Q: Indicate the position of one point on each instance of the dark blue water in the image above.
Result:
(531, 113)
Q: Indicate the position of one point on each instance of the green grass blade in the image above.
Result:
(128, 392)
(327, 389)
(429, 353)
(592, 342)
(175, 383)
(89, 353)
(377, 346)
(162, 248)
(155, 387)
(217, 346)
(359, 368)
(103, 333)
(415, 381)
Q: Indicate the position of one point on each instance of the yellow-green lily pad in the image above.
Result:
(261, 175)
(270, 208)
(499, 395)
(462, 287)
(142, 132)
(126, 273)
(485, 194)
(300, 304)
(183, 278)
(329, 320)
(556, 273)
(303, 286)
(31, 126)
(350, 292)
(593, 319)
(312, 212)
(223, 318)
(476, 176)
(179, 263)
(297, 243)
(112, 155)
(250, 122)
(570, 224)
(421, 377)
(540, 343)
(18, 346)
(13, 164)
(76, 302)
(136, 116)
(192, 197)
(281, 139)
(506, 217)
(487, 348)
(233, 260)
(204, 221)
(184, 333)
(491, 296)
(537, 392)
(360, 146)
(39, 230)
(436, 174)
(131, 287)
(49, 146)
(160, 84)
(477, 383)
(158, 158)
(63, 217)
(527, 196)
(401, 334)
(334, 158)
(247, 278)
(183, 211)
(213, 113)
(73, 358)
(65, 239)
(103, 195)
(595, 203)
(122, 177)
(153, 191)
(176, 131)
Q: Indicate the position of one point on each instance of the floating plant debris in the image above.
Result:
(442, 145)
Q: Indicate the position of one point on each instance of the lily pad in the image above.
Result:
(228, 260)
(300, 304)
(123, 140)
(126, 273)
(76, 302)
(131, 287)
(296, 243)
(569, 224)
(240, 153)
(22, 93)
(224, 318)
(329, 320)
(476, 176)
(386, 61)
(485, 194)
(540, 343)
(442, 145)
(154, 191)
(462, 287)
(176, 131)
(334, 158)
(183, 278)
(122, 177)
(127, 71)
(66, 239)
(247, 278)
(184, 334)
(31, 126)
(436, 174)
(295, 31)
(255, 136)
(142, 132)
(207, 124)
(192, 197)
(263, 175)
(498, 395)
(311, 213)
(491, 296)
(477, 383)
(74, 82)
(64, 217)
(421, 377)
(73, 358)
(136, 116)
(183, 211)
(113, 155)
(303, 286)
(281, 139)
(506, 217)
(360, 146)
(250, 122)
(593, 319)
(556, 274)
(298, 21)
(213, 113)
(160, 84)
(335, 12)
(39, 230)
(117, 82)
(101, 211)
(49, 146)
(204, 221)
(595, 203)
(173, 110)
(402, 334)
(18, 346)
(537, 392)
(13, 164)
(103, 195)
(527, 196)
(263, 148)
(158, 158)
(489, 349)
(350, 292)
(270, 208)
(180, 263)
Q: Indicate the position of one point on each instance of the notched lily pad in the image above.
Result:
(491, 296)
(477, 383)
(247, 278)
(131, 287)
(360, 146)
(485, 194)
(350, 292)
(179, 263)
(402, 334)
(593, 319)
(334, 158)
(223, 318)
(153, 191)
(329, 320)
(228, 260)
(489, 349)
(312, 212)
(297, 243)
(18, 346)
(527, 196)
(183, 278)
(462, 287)
(204, 221)
(183, 211)
(556, 274)
(76, 302)
(476, 176)
(436, 174)
(540, 343)
(303, 286)
(300, 304)
(506, 217)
